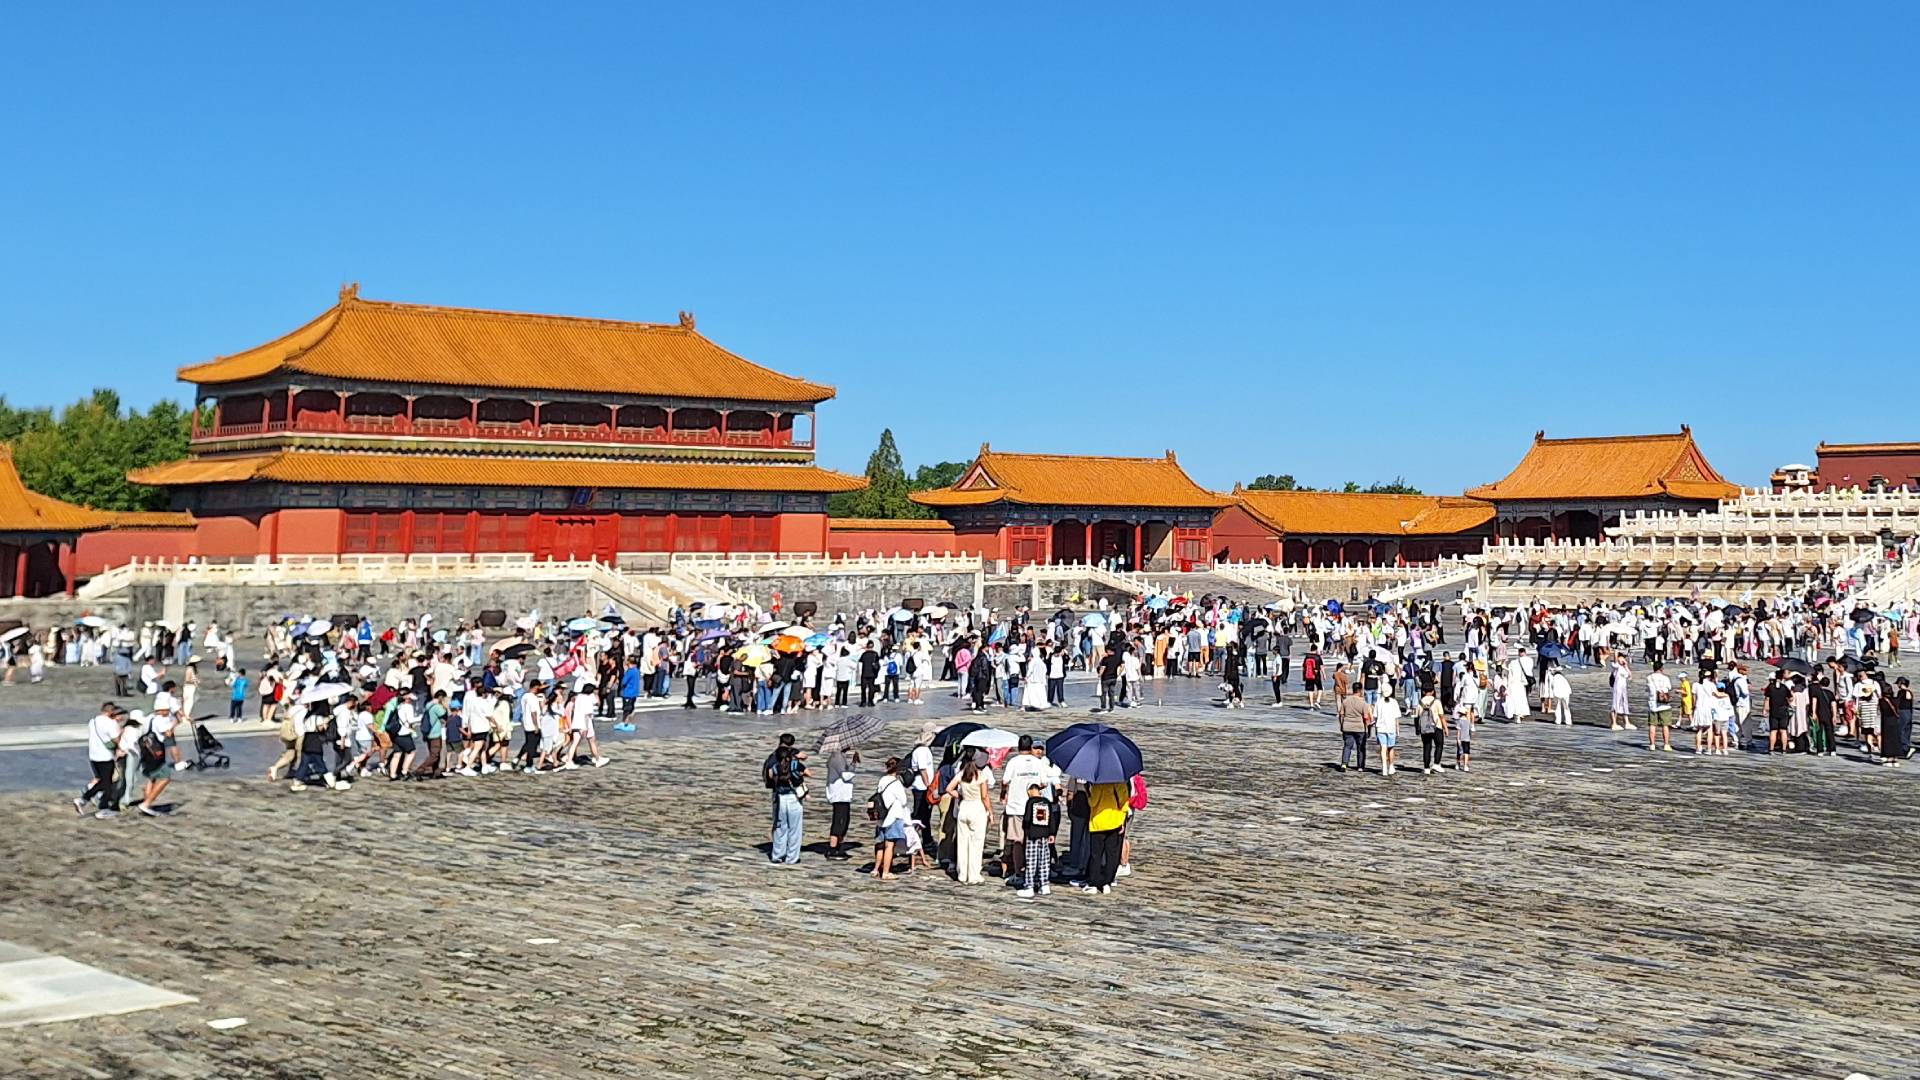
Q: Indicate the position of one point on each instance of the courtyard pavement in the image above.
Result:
(1573, 907)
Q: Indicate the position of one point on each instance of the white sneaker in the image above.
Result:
(105, 815)
(1046, 890)
(469, 771)
(600, 762)
(571, 765)
(1104, 889)
(80, 807)
(296, 786)
(489, 770)
(184, 765)
(1091, 890)
(1024, 894)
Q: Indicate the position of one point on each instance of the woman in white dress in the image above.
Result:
(1517, 708)
(1033, 687)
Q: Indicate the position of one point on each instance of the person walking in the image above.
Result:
(1431, 724)
(973, 811)
(103, 752)
(1355, 717)
(840, 765)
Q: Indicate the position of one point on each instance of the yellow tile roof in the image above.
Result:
(1329, 513)
(152, 519)
(298, 467)
(889, 525)
(23, 511)
(1073, 480)
(380, 341)
(1613, 467)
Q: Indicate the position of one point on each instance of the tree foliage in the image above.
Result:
(1270, 482)
(943, 474)
(1285, 482)
(83, 456)
(885, 495)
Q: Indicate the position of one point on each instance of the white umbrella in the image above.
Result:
(16, 632)
(524, 622)
(937, 611)
(991, 739)
(325, 691)
(318, 627)
(772, 628)
(94, 621)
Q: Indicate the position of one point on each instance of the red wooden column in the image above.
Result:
(68, 564)
(20, 571)
(1086, 550)
(1139, 551)
(723, 423)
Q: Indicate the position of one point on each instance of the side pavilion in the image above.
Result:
(1143, 513)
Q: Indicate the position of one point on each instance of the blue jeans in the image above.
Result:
(762, 697)
(786, 829)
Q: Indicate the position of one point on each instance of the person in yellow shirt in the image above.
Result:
(1106, 817)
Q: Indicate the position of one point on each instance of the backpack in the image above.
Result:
(877, 806)
(1138, 798)
(153, 750)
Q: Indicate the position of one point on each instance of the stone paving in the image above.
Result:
(1574, 907)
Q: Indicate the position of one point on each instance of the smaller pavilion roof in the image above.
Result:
(1611, 467)
(1338, 513)
(889, 525)
(1073, 480)
(23, 511)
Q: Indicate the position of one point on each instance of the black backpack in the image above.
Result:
(152, 749)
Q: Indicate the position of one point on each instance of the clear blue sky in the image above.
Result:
(1283, 238)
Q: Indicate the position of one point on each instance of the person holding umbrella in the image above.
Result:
(1104, 761)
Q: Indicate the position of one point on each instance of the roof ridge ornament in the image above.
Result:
(349, 291)
(686, 320)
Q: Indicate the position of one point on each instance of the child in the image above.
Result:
(1038, 824)
(237, 701)
(916, 850)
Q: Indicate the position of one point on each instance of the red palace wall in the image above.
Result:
(856, 543)
(1239, 537)
(1858, 470)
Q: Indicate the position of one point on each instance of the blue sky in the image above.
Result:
(1345, 244)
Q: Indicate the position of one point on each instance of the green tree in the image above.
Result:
(885, 495)
(17, 422)
(83, 457)
(1270, 482)
(1397, 486)
(944, 474)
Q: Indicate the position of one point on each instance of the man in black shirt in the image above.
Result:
(1779, 714)
(1822, 719)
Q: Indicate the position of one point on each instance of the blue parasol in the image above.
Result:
(1156, 603)
(1093, 618)
(1095, 753)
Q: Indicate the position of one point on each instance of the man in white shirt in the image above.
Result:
(103, 748)
(1026, 767)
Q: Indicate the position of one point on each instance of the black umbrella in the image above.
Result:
(1863, 615)
(1792, 664)
(1851, 664)
(515, 652)
(1733, 611)
(953, 733)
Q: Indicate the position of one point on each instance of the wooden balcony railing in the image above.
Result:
(335, 424)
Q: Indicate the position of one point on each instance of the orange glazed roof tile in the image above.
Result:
(296, 467)
(1330, 513)
(380, 341)
(23, 511)
(889, 525)
(1073, 480)
(1612, 467)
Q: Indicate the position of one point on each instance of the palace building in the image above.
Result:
(384, 427)
(1868, 466)
(1330, 528)
(1576, 488)
(1142, 513)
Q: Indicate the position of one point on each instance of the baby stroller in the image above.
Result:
(208, 753)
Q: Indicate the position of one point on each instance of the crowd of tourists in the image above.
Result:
(415, 701)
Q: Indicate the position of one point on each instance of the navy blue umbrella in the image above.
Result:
(1334, 606)
(1553, 650)
(1095, 753)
